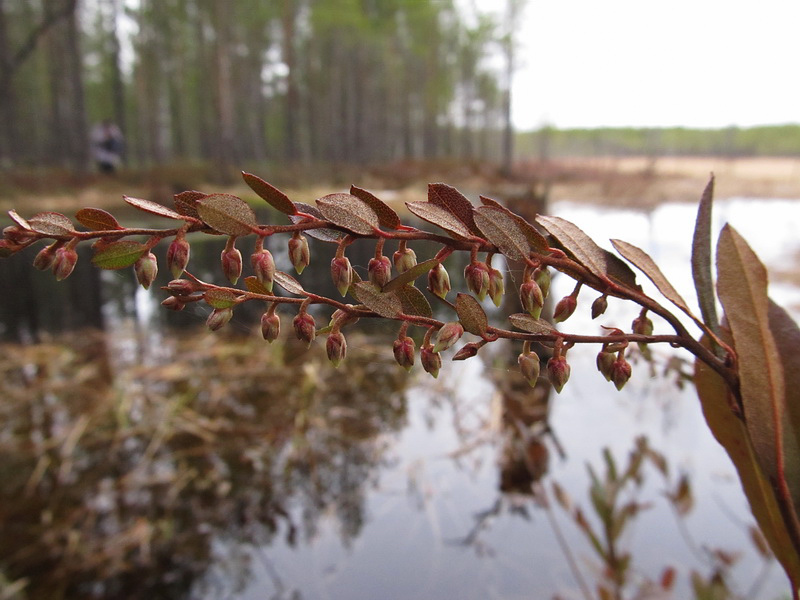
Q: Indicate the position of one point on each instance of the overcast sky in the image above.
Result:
(694, 63)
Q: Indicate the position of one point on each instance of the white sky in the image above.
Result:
(694, 63)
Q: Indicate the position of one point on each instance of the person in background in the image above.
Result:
(108, 145)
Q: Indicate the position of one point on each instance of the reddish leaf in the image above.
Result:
(409, 276)
(276, 198)
(186, 203)
(19, 220)
(471, 315)
(154, 208)
(701, 259)
(218, 298)
(383, 304)
(440, 217)
(526, 322)
(51, 223)
(348, 212)
(454, 202)
(414, 301)
(97, 219)
(535, 239)
(323, 234)
(227, 214)
(387, 217)
(254, 286)
(289, 283)
(502, 230)
(118, 255)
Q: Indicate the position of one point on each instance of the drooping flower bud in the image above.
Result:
(342, 274)
(543, 278)
(404, 260)
(620, 372)
(305, 328)
(64, 262)
(558, 372)
(564, 309)
(642, 325)
(44, 259)
(467, 351)
(231, 264)
(336, 347)
(529, 366)
(605, 363)
(146, 269)
(447, 336)
(439, 280)
(476, 274)
(173, 303)
(178, 256)
(431, 361)
(263, 267)
(299, 253)
(270, 326)
(219, 317)
(496, 286)
(180, 287)
(403, 349)
(17, 235)
(7, 248)
(379, 271)
(599, 306)
(531, 298)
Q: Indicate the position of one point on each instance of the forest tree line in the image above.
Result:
(312, 81)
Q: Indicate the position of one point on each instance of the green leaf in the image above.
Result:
(440, 217)
(387, 217)
(409, 276)
(413, 301)
(324, 234)
(118, 255)
(227, 214)
(254, 286)
(471, 315)
(276, 198)
(218, 298)
(289, 283)
(454, 202)
(387, 305)
(701, 259)
(154, 208)
(536, 240)
(96, 219)
(51, 223)
(526, 322)
(348, 212)
(502, 230)
(186, 203)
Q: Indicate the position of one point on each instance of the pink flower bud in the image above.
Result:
(304, 327)
(64, 262)
(336, 347)
(496, 286)
(342, 274)
(178, 256)
(231, 264)
(529, 366)
(379, 271)
(439, 280)
(146, 269)
(605, 363)
(476, 275)
(404, 260)
(16, 235)
(299, 253)
(181, 287)
(263, 267)
(45, 258)
(173, 303)
(531, 298)
(558, 372)
(620, 373)
(447, 336)
(7, 248)
(564, 309)
(431, 361)
(599, 306)
(403, 349)
(467, 351)
(542, 278)
(270, 326)
(218, 318)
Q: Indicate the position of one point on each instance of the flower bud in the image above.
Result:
(299, 253)
(447, 336)
(173, 303)
(379, 271)
(467, 351)
(231, 264)
(542, 278)
(263, 267)
(44, 259)
(558, 372)
(7, 248)
(342, 274)
(404, 260)
(496, 286)
(605, 363)
(642, 325)
(178, 256)
(180, 287)
(270, 326)
(620, 373)
(16, 234)
(64, 262)
(304, 327)
(439, 280)
(403, 349)
(531, 298)
(146, 269)
(336, 347)
(219, 317)
(599, 306)
(343, 318)
(564, 309)
(529, 366)
(431, 361)
(476, 274)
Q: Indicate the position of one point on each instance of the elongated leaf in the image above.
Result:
(217, 298)
(186, 203)
(51, 223)
(502, 230)
(97, 219)
(440, 217)
(324, 234)
(583, 249)
(289, 283)
(536, 240)
(526, 322)
(254, 286)
(387, 217)
(387, 305)
(118, 255)
(19, 220)
(414, 301)
(701, 259)
(454, 202)
(471, 315)
(348, 212)
(154, 208)
(409, 276)
(227, 214)
(276, 198)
